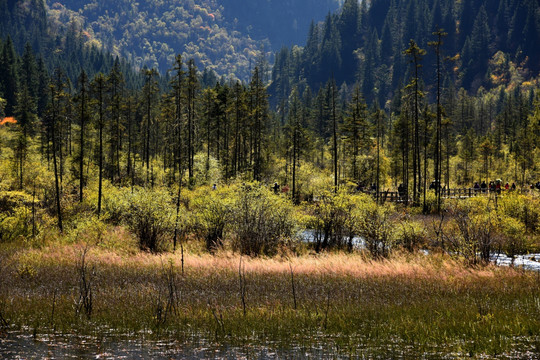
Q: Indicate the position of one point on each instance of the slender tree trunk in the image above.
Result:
(100, 88)
(83, 81)
(334, 133)
(53, 136)
(378, 176)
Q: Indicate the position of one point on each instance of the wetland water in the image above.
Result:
(23, 345)
(18, 345)
(527, 262)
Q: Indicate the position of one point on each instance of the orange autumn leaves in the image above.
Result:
(8, 120)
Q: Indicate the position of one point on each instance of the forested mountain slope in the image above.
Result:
(52, 43)
(486, 42)
(226, 36)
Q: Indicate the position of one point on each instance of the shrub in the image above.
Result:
(150, 216)
(114, 201)
(514, 237)
(526, 209)
(261, 221)
(410, 234)
(472, 231)
(87, 229)
(333, 220)
(431, 202)
(15, 224)
(213, 213)
(376, 228)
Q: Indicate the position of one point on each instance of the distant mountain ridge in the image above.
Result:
(226, 36)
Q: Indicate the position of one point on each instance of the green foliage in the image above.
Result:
(15, 224)
(15, 216)
(333, 219)
(213, 214)
(473, 229)
(88, 230)
(207, 170)
(522, 208)
(115, 200)
(376, 228)
(261, 221)
(149, 214)
(410, 234)
(516, 241)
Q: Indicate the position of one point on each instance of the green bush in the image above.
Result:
(86, 229)
(376, 228)
(261, 221)
(410, 234)
(514, 236)
(15, 224)
(206, 170)
(333, 220)
(526, 209)
(114, 200)
(150, 214)
(212, 211)
(473, 229)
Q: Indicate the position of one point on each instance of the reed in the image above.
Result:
(427, 303)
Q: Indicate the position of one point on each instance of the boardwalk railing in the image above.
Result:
(457, 193)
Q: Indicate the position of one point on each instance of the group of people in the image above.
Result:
(494, 186)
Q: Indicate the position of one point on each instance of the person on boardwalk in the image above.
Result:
(483, 186)
(276, 188)
(401, 190)
(506, 186)
(513, 186)
(476, 187)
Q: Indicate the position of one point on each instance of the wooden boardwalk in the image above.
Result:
(457, 193)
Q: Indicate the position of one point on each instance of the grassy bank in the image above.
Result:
(427, 304)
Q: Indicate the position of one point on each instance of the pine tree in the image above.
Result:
(355, 131)
(259, 114)
(9, 80)
(348, 28)
(438, 137)
(192, 86)
(416, 54)
(115, 89)
(98, 91)
(150, 91)
(57, 89)
(331, 61)
(295, 129)
(83, 107)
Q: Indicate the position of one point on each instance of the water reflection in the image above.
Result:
(20, 345)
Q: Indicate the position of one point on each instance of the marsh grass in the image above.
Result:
(426, 303)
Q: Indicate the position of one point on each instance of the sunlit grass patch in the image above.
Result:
(429, 303)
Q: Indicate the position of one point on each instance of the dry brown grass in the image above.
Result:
(336, 264)
(338, 294)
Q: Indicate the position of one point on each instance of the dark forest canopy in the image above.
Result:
(26, 27)
(364, 43)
